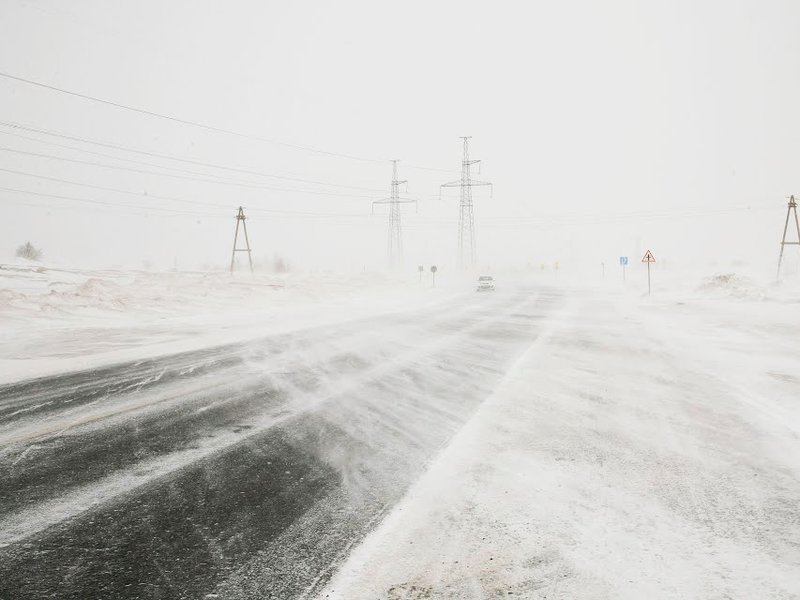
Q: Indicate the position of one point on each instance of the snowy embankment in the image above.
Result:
(57, 319)
(641, 448)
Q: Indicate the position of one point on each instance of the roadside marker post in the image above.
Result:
(648, 258)
(603, 266)
(623, 262)
(420, 269)
(433, 272)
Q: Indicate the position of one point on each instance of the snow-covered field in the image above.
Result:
(55, 319)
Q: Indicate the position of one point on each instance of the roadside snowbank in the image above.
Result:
(58, 319)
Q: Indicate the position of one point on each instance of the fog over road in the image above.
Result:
(245, 471)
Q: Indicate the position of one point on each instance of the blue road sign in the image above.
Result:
(623, 260)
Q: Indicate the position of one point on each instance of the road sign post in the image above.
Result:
(623, 262)
(433, 272)
(648, 258)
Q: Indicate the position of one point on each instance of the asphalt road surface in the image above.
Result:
(243, 471)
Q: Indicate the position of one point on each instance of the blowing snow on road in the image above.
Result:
(537, 440)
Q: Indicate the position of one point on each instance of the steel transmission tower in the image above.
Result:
(394, 247)
(784, 243)
(240, 220)
(467, 253)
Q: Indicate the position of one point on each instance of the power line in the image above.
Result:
(110, 189)
(204, 177)
(498, 221)
(208, 127)
(346, 218)
(185, 121)
(107, 155)
(161, 208)
(169, 157)
(89, 200)
(436, 169)
(595, 218)
(175, 213)
(545, 221)
(119, 212)
(185, 177)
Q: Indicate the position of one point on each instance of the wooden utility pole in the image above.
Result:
(784, 243)
(240, 219)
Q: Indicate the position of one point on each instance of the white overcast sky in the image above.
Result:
(606, 128)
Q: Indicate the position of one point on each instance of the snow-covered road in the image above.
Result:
(246, 470)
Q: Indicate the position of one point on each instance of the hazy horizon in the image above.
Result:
(605, 128)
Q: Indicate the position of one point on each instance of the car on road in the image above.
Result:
(485, 283)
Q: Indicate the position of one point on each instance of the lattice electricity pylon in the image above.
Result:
(394, 248)
(784, 243)
(467, 252)
(240, 219)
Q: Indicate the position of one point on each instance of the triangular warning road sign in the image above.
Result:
(648, 257)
